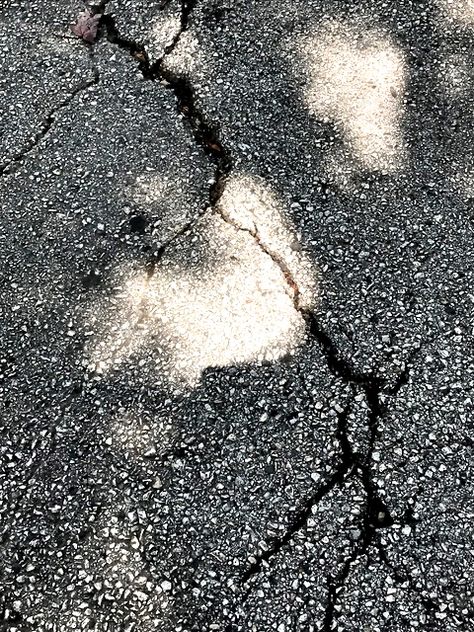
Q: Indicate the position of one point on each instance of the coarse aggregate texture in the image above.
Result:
(358, 117)
(423, 472)
(41, 72)
(155, 24)
(236, 317)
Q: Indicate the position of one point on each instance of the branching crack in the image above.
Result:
(204, 133)
(402, 576)
(47, 124)
(376, 513)
(301, 518)
(351, 463)
(375, 517)
(273, 254)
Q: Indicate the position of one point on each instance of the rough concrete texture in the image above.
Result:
(236, 317)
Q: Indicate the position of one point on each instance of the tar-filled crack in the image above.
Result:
(46, 125)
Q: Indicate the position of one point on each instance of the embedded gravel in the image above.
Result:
(236, 317)
(358, 116)
(152, 24)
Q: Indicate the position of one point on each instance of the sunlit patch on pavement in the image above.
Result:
(461, 12)
(60, 43)
(357, 80)
(463, 182)
(250, 204)
(151, 192)
(188, 56)
(161, 33)
(216, 298)
(455, 75)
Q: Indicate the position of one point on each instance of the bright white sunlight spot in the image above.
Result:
(163, 29)
(250, 204)
(218, 297)
(458, 11)
(357, 81)
(456, 75)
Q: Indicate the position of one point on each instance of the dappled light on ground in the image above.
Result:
(60, 43)
(126, 569)
(460, 12)
(220, 296)
(103, 569)
(464, 183)
(357, 80)
(251, 205)
(189, 56)
(152, 188)
(456, 75)
(164, 200)
(150, 194)
(162, 31)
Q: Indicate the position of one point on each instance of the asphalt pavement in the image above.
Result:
(237, 324)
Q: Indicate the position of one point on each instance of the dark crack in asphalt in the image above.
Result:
(401, 575)
(301, 518)
(206, 135)
(187, 7)
(273, 254)
(47, 124)
(377, 514)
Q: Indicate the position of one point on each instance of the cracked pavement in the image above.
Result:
(237, 320)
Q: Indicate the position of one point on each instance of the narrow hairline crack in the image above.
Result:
(376, 514)
(277, 259)
(342, 471)
(334, 587)
(47, 124)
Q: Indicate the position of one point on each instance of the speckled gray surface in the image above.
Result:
(41, 72)
(154, 24)
(236, 317)
(358, 116)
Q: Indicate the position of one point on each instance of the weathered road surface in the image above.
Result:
(237, 325)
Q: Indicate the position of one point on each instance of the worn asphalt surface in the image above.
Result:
(237, 316)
